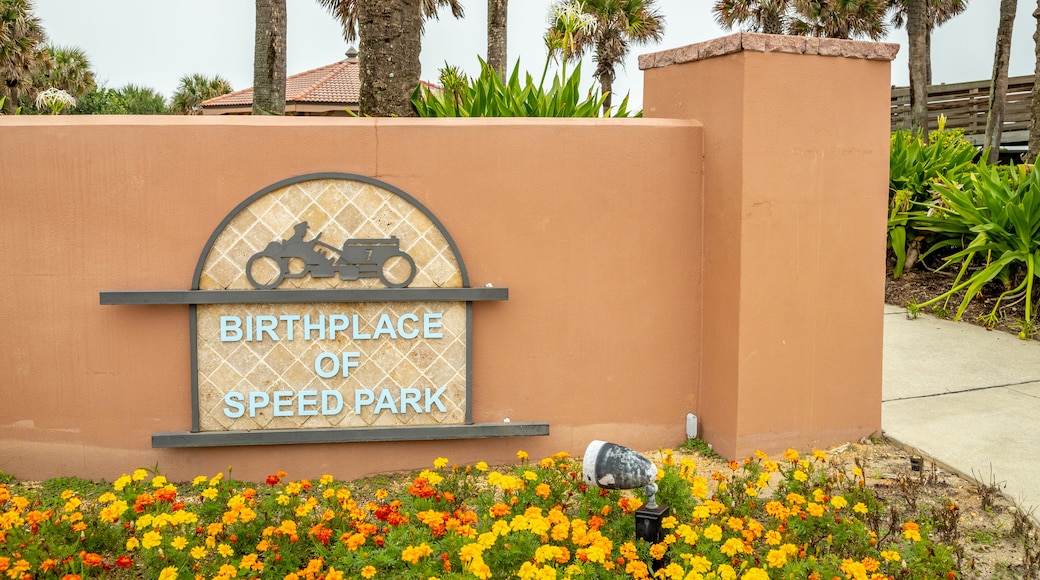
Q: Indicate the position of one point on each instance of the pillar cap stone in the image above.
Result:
(757, 42)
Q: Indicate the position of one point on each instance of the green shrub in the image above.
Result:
(914, 167)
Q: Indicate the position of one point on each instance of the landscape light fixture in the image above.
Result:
(611, 466)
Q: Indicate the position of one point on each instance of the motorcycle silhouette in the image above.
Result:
(358, 258)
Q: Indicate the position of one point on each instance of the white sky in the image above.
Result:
(153, 43)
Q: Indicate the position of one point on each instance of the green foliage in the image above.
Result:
(996, 212)
(487, 96)
(128, 100)
(699, 446)
(914, 167)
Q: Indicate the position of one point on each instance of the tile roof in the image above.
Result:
(334, 83)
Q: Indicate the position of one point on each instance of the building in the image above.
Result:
(328, 91)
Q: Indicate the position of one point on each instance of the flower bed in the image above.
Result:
(793, 517)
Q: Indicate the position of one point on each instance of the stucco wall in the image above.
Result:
(796, 171)
(723, 256)
(594, 226)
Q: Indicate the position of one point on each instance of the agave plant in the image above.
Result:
(487, 96)
(997, 210)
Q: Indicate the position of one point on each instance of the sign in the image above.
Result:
(330, 364)
(329, 307)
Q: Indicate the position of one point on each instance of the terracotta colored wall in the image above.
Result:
(655, 267)
(592, 225)
(795, 180)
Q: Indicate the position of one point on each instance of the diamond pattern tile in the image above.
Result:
(394, 374)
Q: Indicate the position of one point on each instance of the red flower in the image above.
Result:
(273, 480)
(124, 562)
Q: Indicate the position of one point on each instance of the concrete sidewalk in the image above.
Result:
(967, 398)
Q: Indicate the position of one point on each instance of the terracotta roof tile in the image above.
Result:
(334, 83)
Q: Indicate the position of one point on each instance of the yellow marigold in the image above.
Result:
(478, 568)
(139, 475)
(546, 553)
(912, 531)
(791, 455)
(815, 509)
(440, 462)
(859, 508)
(199, 480)
(657, 551)
(890, 555)
(597, 554)
(735, 524)
(795, 499)
(481, 466)
(225, 550)
(800, 475)
(522, 455)
(412, 554)
(543, 490)
(699, 487)
(672, 571)
(530, 475)
(179, 543)
(470, 551)
(158, 481)
(732, 547)
(132, 544)
(121, 482)
(368, 571)
(713, 533)
(547, 462)
(688, 534)
(773, 537)
(635, 569)
(839, 502)
(209, 493)
(819, 455)
(755, 574)
(854, 570)
(198, 552)
(726, 572)
(151, 540)
(776, 558)
(431, 477)
(168, 573)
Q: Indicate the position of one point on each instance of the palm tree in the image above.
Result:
(916, 30)
(194, 89)
(69, 70)
(138, 100)
(496, 51)
(21, 50)
(839, 18)
(269, 58)
(823, 18)
(939, 12)
(1034, 105)
(998, 86)
(391, 39)
(613, 26)
(766, 16)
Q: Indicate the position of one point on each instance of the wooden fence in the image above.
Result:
(966, 106)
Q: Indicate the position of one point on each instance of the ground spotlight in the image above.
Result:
(611, 466)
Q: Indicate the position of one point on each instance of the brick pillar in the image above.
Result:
(795, 180)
